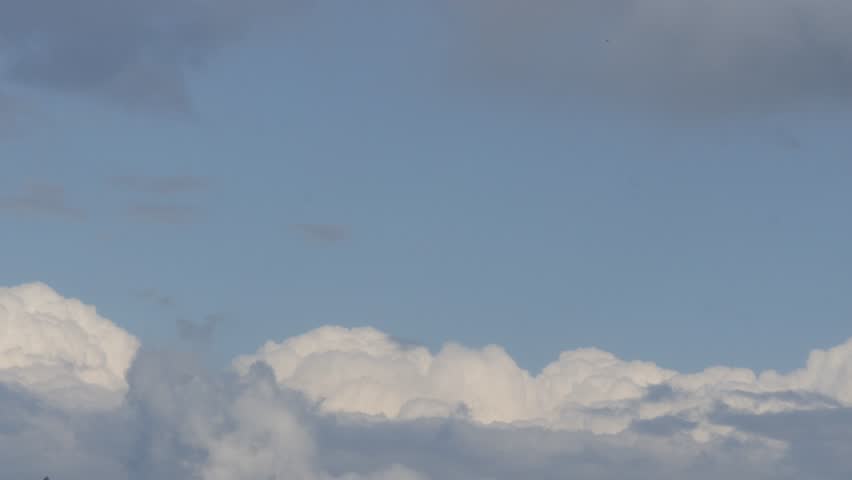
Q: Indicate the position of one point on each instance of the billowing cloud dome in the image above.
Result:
(60, 348)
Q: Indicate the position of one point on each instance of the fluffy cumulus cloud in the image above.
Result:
(61, 348)
(695, 55)
(365, 371)
(354, 404)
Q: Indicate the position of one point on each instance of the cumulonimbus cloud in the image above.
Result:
(354, 404)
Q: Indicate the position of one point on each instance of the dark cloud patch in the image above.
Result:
(41, 199)
(156, 297)
(699, 56)
(660, 393)
(202, 332)
(134, 53)
(324, 233)
(164, 214)
(663, 426)
(160, 185)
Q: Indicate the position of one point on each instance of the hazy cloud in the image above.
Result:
(198, 331)
(164, 214)
(160, 185)
(707, 56)
(787, 139)
(41, 199)
(135, 53)
(325, 233)
(9, 114)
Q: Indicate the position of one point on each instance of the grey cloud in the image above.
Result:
(135, 53)
(455, 449)
(325, 233)
(706, 56)
(164, 214)
(663, 426)
(160, 185)
(198, 331)
(42, 199)
(661, 392)
(820, 441)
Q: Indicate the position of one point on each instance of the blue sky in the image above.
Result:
(460, 208)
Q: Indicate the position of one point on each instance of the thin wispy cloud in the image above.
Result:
(164, 185)
(42, 200)
(323, 233)
(164, 214)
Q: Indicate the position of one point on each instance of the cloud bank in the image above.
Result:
(353, 404)
(689, 55)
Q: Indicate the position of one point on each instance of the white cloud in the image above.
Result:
(365, 371)
(61, 348)
(353, 404)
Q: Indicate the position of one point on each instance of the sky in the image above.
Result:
(481, 186)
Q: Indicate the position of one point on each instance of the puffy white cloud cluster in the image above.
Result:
(353, 404)
(61, 348)
(365, 371)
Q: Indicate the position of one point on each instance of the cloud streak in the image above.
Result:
(42, 199)
(164, 214)
(323, 406)
(160, 185)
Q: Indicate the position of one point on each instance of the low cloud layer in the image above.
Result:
(695, 56)
(353, 404)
